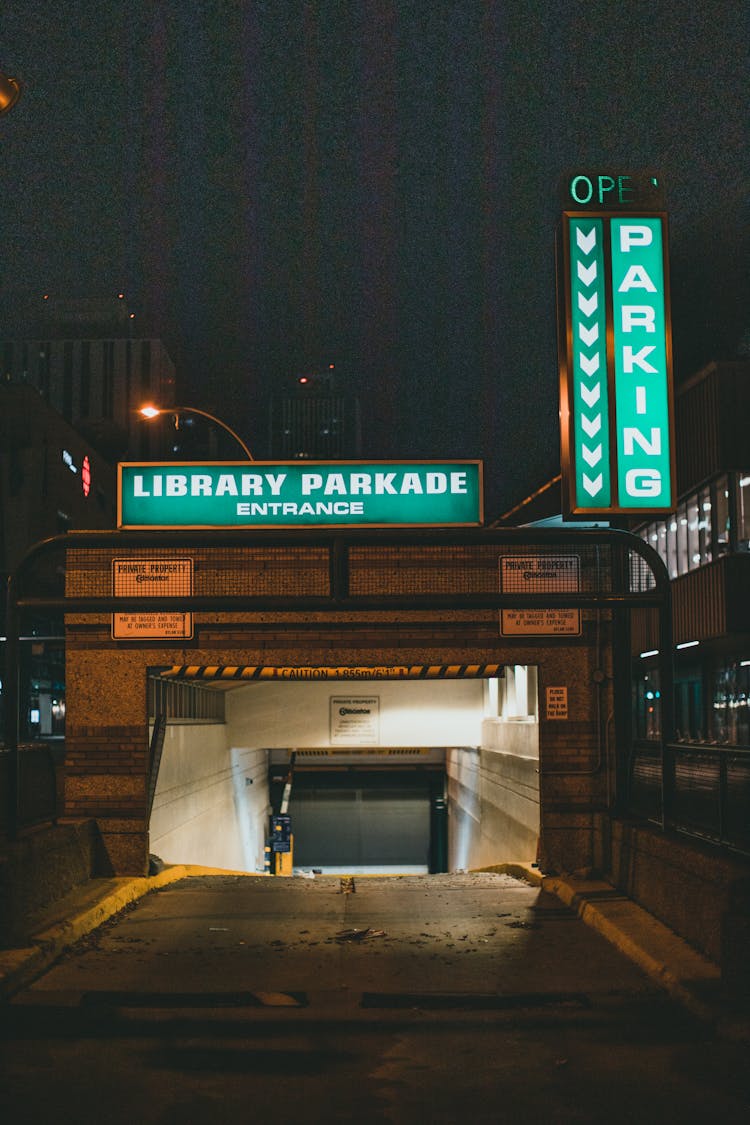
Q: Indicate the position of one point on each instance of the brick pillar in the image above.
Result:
(106, 778)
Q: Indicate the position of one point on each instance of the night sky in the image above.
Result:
(281, 184)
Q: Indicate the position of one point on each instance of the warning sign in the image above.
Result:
(150, 578)
(540, 574)
(557, 702)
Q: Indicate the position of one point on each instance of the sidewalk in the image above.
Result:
(690, 978)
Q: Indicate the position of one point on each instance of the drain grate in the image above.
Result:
(483, 1001)
(194, 1000)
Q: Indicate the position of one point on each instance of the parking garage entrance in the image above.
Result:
(265, 620)
(404, 769)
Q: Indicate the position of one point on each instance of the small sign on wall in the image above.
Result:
(557, 702)
(540, 574)
(355, 720)
(152, 577)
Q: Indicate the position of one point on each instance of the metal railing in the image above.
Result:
(701, 790)
(184, 702)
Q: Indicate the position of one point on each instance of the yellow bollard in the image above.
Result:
(285, 860)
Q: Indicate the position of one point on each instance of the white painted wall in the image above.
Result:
(204, 811)
(415, 713)
(493, 797)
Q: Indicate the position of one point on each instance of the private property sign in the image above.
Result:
(299, 494)
(615, 354)
(152, 577)
(540, 574)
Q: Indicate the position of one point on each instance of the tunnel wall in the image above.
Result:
(211, 803)
(493, 797)
(411, 713)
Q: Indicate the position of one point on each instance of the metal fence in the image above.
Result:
(184, 702)
(701, 790)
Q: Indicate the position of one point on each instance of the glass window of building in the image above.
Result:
(743, 512)
(730, 719)
(721, 516)
(704, 526)
(647, 706)
(694, 547)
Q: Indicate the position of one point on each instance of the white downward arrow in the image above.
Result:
(591, 456)
(592, 486)
(587, 274)
(588, 335)
(588, 305)
(590, 395)
(591, 427)
(586, 242)
(589, 364)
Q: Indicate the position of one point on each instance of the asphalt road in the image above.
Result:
(444, 999)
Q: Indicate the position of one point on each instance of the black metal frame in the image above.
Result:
(338, 542)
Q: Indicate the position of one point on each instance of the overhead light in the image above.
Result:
(688, 644)
(651, 652)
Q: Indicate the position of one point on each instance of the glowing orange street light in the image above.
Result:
(10, 92)
(150, 411)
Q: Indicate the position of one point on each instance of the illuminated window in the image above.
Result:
(721, 517)
(743, 511)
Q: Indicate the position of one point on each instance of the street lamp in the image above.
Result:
(10, 92)
(149, 412)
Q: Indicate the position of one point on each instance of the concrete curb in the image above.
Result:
(93, 905)
(685, 974)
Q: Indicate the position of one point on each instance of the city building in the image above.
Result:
(705, 544)
(52, 480)
(700, 781)
(315, 417)
(87, 361)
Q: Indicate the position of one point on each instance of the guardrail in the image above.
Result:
(703, 790)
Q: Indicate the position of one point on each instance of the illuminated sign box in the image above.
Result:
(615, 350)
(285, 494)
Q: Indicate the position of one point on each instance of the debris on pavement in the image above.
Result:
(358, 935)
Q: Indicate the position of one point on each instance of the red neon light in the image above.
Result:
(86, 476)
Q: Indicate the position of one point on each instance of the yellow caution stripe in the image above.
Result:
(340, 672)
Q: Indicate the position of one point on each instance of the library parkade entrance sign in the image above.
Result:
(299, 494)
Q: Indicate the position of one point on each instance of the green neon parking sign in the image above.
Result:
(615, 361)
(277, 494)
(640, 363)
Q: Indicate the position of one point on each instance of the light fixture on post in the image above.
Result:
(149, 412)
(10, 92)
